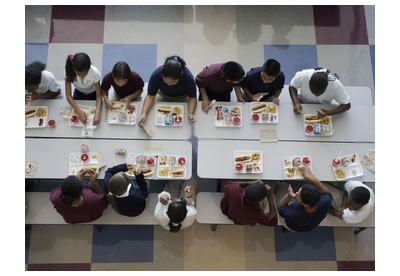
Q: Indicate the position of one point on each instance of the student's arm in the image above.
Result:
(99, 102)
(132, 96)
(142, 183)
(47, 95)
(206, 102)
(271, 201)
(244, 184)
(286, 199)
(147, 105)
(275, 97)
(251, 96)
(71, 101)
(310, 177)
(344, 199)
(93, 182)
(340, 109)
(107, 101)
(192, 103)
(296, 102)
(238, 94)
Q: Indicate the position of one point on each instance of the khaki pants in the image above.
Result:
(161, 97)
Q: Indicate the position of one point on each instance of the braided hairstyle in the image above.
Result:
(177, 213)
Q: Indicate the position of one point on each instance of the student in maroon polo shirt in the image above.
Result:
(76, 203)
(243, 203)
(215, 82)
(128, 85)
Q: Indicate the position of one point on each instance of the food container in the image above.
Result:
(76, 163)
(314, 126)
(171, 167)
(264, 113)
(347, 167)
(36, 116)
(51, 123)
(120, 115)
(146, 163)
(169, 115)
(248, 162)
(292, 165)
(227, 116)
(84, 157)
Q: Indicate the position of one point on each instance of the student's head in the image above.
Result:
(121, 73)
(172, 70)
(359, 196)
(177, 213)
(308, 195)
(33, 75)
(71, 189)
(118, 184)
(254, 193)
(77, 65)
(319, 81)
(233, 72)
(270, 71)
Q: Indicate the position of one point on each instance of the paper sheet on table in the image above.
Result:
(369, 160)
(152, 149)
(30, 168)
(268, 135)
(87, 132)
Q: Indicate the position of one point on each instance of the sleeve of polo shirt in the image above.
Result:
(326, 200)
(269, 219)
(340, 94)
(281, 83)
(139, 82)
(297, 80)
(53, 84)
(245, 82)
(106, 83)
(283, 211)
(96, 75)
(153, 86)
(202, 78)
(190, 85)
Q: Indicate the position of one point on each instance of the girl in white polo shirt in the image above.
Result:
(86, 80)
(318, 86)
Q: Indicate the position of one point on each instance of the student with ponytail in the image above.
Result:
(78, 203)
(127, 197)
(171, 82)
(175, 209)
(86, 79)
(318, 86)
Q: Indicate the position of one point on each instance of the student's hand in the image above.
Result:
(275, 100)
(297, 108)
(255, 97)
(81, 173)
(82, 116)
(322, 113)
(96, 119)
(131, 166)
(137, 171)
(338, 212)
(306, 171)
(269, 189)
(164, 199)
(141, 120)
(290, 192)
(240, 99)
(109, 103)
(258, 181)
(204, 105)
(126, 100)
(192, 118)
(28, 98)
(93, 175)
(188, 191)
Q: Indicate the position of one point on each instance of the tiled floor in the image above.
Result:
(341, 38)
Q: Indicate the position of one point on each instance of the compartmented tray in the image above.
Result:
(36, 116)
(169, 115)
(145, 162)
(264, 113)
(121, 115)
(172, 167)
(228, 116)
(76, 162)
(292, 165)
(247, 162)
(314, 126)
(347, 167)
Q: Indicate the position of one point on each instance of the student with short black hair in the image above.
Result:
(78, 203)
(318, 86)
(357, 204)
(216, 81)
(40, 83)
(264, 79)
(86, 79)
(127, 84)
(171, 82)
(244, 203)
(310, 206)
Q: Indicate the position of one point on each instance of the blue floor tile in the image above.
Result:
(142, 58)
(123, 244)
(372, 53)
(293, 58)
(36, 52)
(315, 245)
(28, 229)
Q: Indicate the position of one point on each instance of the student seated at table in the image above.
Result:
(171, 82)
(86, 79)
(318, 86)
(357, 204)
(176, 209)
(127, 197)
(244, 203)
(310, 205)
(128, 85)
(216, 81)
(264, 79)
(40, 83)
(78, 203)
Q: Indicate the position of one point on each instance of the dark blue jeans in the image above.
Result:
(78, 95)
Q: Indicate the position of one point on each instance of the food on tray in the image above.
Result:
(257, 167)
(30, 113)
(122, 116)
(84, 157)
(28, 168)
(249, 167)
(296, 162)
(40, 122)
(287, 163)
(312, 118)
(335, 162)
(131, 108)
(339, 173)
(325, 120)
(271, 108)
(74, 118)
(255, 117)
(235, 110)
(172, 160)
(255, 156)
(164, 109)
(117, 106)
(290, 172)
(147, 171)
(225, 110)
(345, 162)
(353, 158)
(177, 110)
(177, 172)
(258, 107)
(41, 112)
(92, 111)
(299, 172)
(150, 161)
(239, 166)
(244, 158)
(236, 121)
(140, 159)
(164, 171)
(306, 160)
(163, 160)
(178, 119)
(181, 160)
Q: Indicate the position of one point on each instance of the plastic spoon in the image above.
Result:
(211, 104)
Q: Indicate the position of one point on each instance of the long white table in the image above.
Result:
(357, 125)
(104, 130)
(215, 158)
(52, 155)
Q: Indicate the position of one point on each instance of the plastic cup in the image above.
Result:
(51, 123)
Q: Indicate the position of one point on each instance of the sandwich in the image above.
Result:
(312, 119)
(147, 171)
(243, 158)
(164, 109)
(178, 172)
(258, 107)
(117, 106)
(30, 113)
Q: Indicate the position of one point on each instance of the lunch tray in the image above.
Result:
(292, 172)
(141, 160)
(166, 165)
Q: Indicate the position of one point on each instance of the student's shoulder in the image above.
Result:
(187, 73)
(94, 70)
(47, 75)
(107, 77)
(156, 73)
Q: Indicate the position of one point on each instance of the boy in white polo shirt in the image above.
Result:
(357, 204)
(318, 86)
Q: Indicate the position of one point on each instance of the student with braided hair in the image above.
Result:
(127, 197)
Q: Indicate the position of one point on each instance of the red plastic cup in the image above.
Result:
(309, 128)
(236, 121)
(150, 161)
(239, 167)
(306, 160)
(178, 119)
(51, 123)
(335, 162)
(74, 118)
(181, 160)
(255, 117)
(84, 157)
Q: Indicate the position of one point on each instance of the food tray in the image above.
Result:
(317, 127)
(349, 167)
(143, 162)
(76, 164)
(167, 164)
(264, 113)
(120, 115)
(228, 116)
(39, 119)
(90, 113)
(169, 115)
(292, 170)
(254, 161)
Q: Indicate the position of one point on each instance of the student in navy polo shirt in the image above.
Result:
(172, 82)
(128, 85)
(310, 206)
(266, 79)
